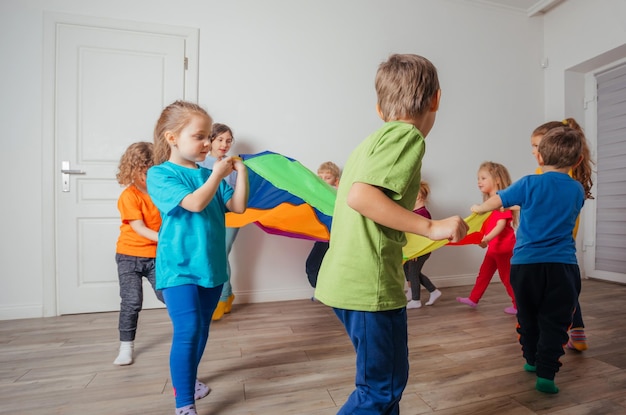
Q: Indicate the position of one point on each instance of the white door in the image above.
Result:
(111, 83)
(604, 242)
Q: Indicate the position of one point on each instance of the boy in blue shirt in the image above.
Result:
(361, 275)
(544, 271)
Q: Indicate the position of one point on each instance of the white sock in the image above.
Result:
(414, 304)
(434, 296)
(125, 357)
(201, 390)
(186, 410)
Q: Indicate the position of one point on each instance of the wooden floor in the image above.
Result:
(294, 358)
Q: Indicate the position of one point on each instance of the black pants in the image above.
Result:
(546, 295)
(414, 275)
(314, 261)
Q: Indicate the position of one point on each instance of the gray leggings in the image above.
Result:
(414, 275)
(130, 271)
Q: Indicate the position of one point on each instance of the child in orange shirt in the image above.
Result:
(136, 245)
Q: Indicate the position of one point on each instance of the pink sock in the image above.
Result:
(466, 301)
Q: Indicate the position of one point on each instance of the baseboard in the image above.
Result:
(458, 280)
(246, 297)
(21, 311)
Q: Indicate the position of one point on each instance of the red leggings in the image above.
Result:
(500, 261)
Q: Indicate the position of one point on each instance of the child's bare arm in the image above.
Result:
(239, 201)
(140, 227)
(202, 196)
(372, 203)
(493, 203)
(500, 225)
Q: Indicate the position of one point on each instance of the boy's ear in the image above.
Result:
(380, 112)
(539, 159)
(434, 103)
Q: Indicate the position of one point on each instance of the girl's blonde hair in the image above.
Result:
(502, 180)
(424, 191)
(173, 118)
(136, 159)
(583, 170)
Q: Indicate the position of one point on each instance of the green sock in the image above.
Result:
(546, 386)
(530, 368)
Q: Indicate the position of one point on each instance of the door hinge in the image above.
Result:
(186, 63)
(586, 101)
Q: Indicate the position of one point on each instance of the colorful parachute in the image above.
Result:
(285, 198)
(290, 200)
(417, 245)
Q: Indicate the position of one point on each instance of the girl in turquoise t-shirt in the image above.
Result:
(191, 255)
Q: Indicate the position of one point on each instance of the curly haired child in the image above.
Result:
(136, 245)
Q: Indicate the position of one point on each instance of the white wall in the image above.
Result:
(296, 78)
(581, 37)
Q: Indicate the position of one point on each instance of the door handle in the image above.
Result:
(65, 175)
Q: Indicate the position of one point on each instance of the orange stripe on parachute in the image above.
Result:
(285, 217)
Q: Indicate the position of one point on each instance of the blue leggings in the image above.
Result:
(190, 308)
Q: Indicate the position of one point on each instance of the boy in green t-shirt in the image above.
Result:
(361, 276)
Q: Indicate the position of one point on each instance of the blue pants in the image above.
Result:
(190, 308)
(546, 296)
(231, 234)
(382, 360)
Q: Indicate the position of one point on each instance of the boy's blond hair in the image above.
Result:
(405, 86)
(330, 167)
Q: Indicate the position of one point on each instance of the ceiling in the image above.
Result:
(530, 7)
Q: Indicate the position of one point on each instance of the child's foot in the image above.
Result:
(125, 356)
(186, 410)
(530, 368)
(577, 340)
(546, 386)
(201, 390)
(511, 310)
(466, 301)
(219, 311)
(413, 304)
(434, 296)
(229, 303)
